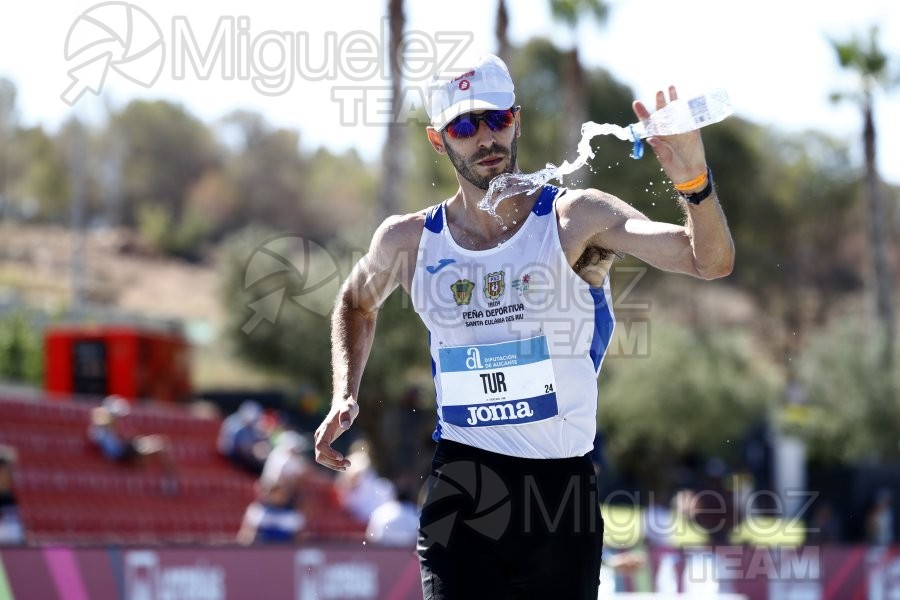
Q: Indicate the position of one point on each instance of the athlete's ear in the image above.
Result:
(518, 123)
(434, 136)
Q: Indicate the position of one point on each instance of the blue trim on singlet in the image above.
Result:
(436, 434)
(434, 219)
(433, 366)
(544, 203)
(603, 326)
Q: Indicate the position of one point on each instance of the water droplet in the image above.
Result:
(505, 228)
(515, 222)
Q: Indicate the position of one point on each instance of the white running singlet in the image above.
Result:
(517, 338)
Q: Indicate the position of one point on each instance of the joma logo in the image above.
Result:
(499, 412)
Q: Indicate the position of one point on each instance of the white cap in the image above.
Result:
(480, 84)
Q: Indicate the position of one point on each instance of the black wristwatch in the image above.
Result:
(698, 197)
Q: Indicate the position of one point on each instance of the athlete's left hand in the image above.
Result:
(681, 156)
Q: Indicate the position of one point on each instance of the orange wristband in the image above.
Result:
(698, 181)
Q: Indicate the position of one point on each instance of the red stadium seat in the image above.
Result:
(70, 494)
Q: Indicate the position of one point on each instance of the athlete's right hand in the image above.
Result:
(342, 414)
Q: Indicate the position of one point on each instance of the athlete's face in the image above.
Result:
(484, 155)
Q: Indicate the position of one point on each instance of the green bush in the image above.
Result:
(853, 402)
(694, 394)
(21, 350)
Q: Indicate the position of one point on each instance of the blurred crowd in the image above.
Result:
(109, 432)
(702, 505)
(11, 529)
(282, 460)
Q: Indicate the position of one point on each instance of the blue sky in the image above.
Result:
(773, 57)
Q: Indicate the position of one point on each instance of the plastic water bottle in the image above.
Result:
(683, 115)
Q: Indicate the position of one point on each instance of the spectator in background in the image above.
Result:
(825, 527)
(659, 521)
(716, 512)
(630, 565)
(395, 522)
(11, 529)
(243, 440)
(360, 489)
(121, 445)
(686, 506)
(272, 518)
(290, 463)
(880, 520)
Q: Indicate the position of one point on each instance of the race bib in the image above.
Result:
(510, 383)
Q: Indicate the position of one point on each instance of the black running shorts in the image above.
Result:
(502, 527)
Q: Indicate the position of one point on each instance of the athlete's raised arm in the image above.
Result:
(702, 247)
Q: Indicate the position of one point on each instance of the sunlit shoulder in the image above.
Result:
(395, 245)
(399, 232)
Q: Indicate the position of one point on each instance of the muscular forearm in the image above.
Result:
(711, 242)
(352, 332)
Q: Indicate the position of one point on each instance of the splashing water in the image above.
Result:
(507, 185)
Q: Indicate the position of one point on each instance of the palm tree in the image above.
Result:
(870, 63)
(569, 12)
(395, 142)
(390, 188)
(501, 29)
(7, 129)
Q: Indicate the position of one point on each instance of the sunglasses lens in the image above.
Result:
(498, 119)
(462, 127)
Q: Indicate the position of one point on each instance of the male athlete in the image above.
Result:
(519, 316)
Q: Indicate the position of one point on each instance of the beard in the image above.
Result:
(464, 165)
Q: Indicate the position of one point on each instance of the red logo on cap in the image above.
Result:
(464, 85)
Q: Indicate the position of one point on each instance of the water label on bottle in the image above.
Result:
(699, 110)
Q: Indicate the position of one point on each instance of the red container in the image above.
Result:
(131, 361)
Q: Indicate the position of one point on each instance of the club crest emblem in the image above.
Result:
(462, 291)
(494, 285)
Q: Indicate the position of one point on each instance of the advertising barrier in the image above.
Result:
(351, 571)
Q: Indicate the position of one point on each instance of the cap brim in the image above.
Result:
(493, 101)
